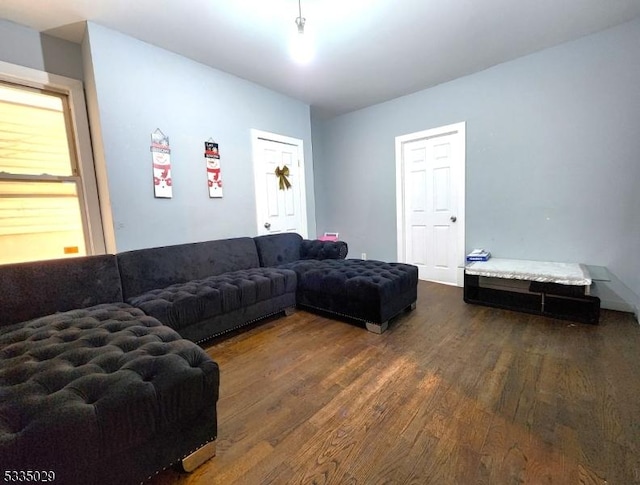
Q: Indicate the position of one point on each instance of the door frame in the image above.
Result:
(401, 140)
(256, 136)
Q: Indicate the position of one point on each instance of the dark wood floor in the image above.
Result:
(450, 394)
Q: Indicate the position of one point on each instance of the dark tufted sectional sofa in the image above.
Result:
(92, 390)
(100, 378)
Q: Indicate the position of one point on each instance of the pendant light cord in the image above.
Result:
(300, 21)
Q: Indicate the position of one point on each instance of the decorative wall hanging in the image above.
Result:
(283, 180)
(214, 177)
(161, 155)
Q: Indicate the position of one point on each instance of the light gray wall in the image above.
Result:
(136, 88)
(553, 157)
(26, 47)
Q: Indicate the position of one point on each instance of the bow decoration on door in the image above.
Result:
(282, 175)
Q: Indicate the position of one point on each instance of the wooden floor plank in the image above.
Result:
(451, 393)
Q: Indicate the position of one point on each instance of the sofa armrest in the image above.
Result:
(316, 249)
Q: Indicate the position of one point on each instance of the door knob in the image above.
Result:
(267, 225)
(453, 218)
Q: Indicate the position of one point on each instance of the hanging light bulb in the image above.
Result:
(301, 43)
(300, 21)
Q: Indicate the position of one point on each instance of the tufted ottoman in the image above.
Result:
(369, 291)
(102, 395)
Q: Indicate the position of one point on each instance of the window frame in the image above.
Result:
(80, 146)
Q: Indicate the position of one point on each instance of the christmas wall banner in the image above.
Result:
(212, 159)
(161, 155)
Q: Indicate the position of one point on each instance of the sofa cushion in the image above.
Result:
(78, 386)
(30, 290)
(149, 269)
(277, 249)
(188, 303)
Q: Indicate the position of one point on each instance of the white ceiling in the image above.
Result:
(367, 51)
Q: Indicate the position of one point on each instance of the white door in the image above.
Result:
(278, 163)
(431, 202)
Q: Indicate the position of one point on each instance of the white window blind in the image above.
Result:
(40, 190)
